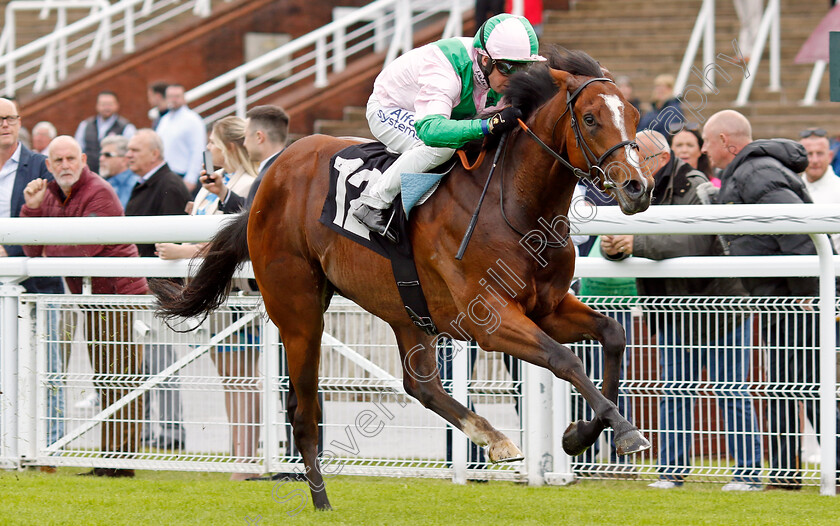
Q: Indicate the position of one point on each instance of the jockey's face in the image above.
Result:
(498, 81)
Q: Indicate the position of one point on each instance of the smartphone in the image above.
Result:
(208, 163)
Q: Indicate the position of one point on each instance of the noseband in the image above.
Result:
(593, 162)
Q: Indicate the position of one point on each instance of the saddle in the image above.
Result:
(350, 172)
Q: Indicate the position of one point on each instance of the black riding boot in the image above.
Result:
(376, 220)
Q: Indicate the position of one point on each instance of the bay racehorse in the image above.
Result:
(576, 123)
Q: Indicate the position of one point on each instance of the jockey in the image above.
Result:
(425, 102)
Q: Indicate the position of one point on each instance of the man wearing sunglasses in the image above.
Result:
(424, 104)
(819, 177)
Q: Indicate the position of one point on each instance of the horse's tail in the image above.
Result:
(211, 284)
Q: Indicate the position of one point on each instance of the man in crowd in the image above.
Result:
(78, 192)
(819, 177)
(113, 166)
(765, 172)
(19, 166)
(42, 135)
(159, 192)
(107, 121)
(156, 95)
(688, 343)
(184, 137)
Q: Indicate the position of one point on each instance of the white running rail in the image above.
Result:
(379, 26)
(44, 62)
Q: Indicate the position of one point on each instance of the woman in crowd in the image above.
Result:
(236, 361)
(686, 143)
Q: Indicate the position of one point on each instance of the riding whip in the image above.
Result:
(474, 219)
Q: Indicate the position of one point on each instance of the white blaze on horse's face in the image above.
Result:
(617, 110)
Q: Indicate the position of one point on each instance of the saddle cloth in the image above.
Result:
(350, 172)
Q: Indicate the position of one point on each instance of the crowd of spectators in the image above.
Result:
(110, 168)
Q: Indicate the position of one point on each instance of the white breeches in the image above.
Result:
(394, 127)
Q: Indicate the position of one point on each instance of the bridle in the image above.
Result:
(594, 170)
(593, 162)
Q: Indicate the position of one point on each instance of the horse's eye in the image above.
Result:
(589, 120)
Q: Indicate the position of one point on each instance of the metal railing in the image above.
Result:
(46, 61)
(366, 378)
(379, 26)
(704, 30)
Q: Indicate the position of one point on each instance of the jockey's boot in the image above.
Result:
(376, 220)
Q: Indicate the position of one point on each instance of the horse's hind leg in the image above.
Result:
(296, 309)
(571, 322)
(421, 379)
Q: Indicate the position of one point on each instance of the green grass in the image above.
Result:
(178, 498)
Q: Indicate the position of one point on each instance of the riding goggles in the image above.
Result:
(509, 68)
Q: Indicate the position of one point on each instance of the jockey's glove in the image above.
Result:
(502, 121)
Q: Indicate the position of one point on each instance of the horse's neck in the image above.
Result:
(541, 186)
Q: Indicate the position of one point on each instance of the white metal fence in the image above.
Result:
(46, 61)
(360, 371)
(382, 25)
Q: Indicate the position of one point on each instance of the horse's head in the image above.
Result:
(588, 121)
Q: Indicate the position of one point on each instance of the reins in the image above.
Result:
(593, 162)
(587, 154)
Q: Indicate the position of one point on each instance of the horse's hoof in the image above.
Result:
(631, 441)
(572, 444)
(504, 451)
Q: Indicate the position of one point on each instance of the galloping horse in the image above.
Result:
(582, 126)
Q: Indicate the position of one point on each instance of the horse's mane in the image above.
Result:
(530, 89)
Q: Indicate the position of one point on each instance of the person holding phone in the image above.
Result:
(237, 357)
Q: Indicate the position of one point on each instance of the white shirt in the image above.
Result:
(184, 139)
(826, 190)
(151, 172)
(265, 161)
(102, 125)
(7, 182)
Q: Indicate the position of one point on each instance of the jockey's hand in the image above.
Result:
(503, 121)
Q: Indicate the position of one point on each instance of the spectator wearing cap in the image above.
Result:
(819, 177)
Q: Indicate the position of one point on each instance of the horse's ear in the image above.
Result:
(606, 73)
(561, 78)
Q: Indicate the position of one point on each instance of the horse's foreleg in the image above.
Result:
(571, 322)
(519, 337)
(421, 379)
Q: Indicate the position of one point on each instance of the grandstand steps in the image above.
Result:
(191, 54)
(646, 38)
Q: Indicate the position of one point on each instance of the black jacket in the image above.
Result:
(765, 172)
(676, 184)
(164, 194)
(235, 202)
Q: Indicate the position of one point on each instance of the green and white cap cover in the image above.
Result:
(508, 37)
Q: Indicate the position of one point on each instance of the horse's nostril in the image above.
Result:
(633, 188)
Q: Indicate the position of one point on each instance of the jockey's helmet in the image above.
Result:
(508, 37)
